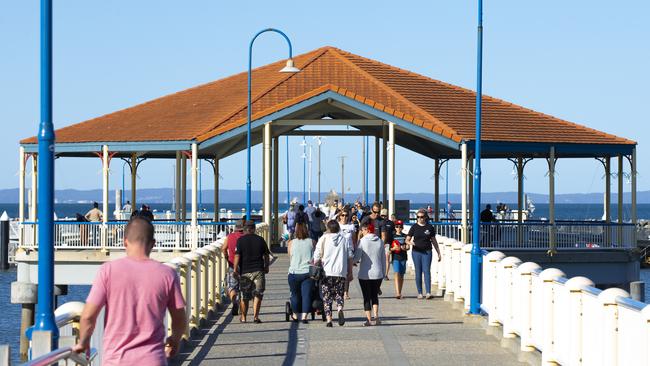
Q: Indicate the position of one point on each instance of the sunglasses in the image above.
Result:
(343, 215)
(421, 217)
(398, 226)
(375, 212)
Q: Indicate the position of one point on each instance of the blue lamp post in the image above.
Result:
(288, 191)
(44, 319)
(475, 284)
(289, 68)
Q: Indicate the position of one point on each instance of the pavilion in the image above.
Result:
(338, 88)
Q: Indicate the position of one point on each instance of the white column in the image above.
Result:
(384, 167)
(195, 195)
(276, 209)
(177, 190)
(105, 163)
(134, 177)
(551, 199)
(183, 210)
(33, 209)
(633, 182)
(267, 173)
(21, 184)
(216, 188)
(391, 168)
(608, 189)
(463, 190)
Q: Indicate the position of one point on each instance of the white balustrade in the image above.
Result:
(568, 320)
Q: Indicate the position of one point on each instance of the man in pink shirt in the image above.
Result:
(228, 249)
(136, 291)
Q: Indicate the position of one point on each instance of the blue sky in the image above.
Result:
(583, 61)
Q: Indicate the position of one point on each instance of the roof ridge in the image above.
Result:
(319, 52)
(390, 90)
(495, 99)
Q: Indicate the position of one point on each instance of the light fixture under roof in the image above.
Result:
(290, 68)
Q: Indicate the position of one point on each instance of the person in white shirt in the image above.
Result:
(333, 251)
(348, 231)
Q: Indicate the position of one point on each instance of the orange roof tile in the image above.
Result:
(211, 109)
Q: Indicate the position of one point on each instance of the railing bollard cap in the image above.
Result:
(510, 262)
(211, 248)
(202, 251)
(467, 248)
(181, 261)
(193, 256)
(577, 283)
(608, 297)
(527, 268)
(72, 307)
(456, 245)
(551, 274)
(494, 256)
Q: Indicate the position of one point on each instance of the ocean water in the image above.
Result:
(563, 211)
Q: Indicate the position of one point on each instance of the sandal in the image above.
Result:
(367, 323)
(257, 321)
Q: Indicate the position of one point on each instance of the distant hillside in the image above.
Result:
(166, 195)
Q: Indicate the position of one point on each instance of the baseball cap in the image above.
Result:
(239, 225)
(249, 224)
(399, 222)
(383, 212)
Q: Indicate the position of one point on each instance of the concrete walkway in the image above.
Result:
(414, 332)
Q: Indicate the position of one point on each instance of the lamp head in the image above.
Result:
(290, 68)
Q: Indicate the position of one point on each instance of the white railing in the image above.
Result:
(568, 320)
(110, 236)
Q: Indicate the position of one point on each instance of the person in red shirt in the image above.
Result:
(228, 248)
(136, 292)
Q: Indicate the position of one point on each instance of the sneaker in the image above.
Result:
(429, 297)
(420, 297)
(329, 324)
(341, 318)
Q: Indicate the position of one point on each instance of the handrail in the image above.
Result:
(63, 354)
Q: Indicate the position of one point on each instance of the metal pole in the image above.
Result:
(463, 191)
(177, 188)
(436, 191)
(384, 169)
(44, 320)
(21, 192)
(619, 207)
(319, 143)
(276, 207)
(123, 191)
(475, 284)
(310, 174)
(551, 199)
(391, 169)
(608, 189)
(304, 170)
(367, 171)
(194, 167)
(633, 187)
(447, 188)
(520, 200)
(377, 172)
(248, 110)
(342, 179)
(363, 170)
(288, 191)
(216, 188)
(134, 176)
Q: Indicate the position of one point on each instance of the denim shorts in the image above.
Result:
(399, 266)
(232, 282)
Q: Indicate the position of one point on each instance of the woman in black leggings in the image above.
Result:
(372, 268)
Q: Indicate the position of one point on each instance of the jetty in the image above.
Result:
(544, 284)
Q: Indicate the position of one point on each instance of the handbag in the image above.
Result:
(316, 271)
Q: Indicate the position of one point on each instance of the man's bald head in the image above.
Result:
(139, 230)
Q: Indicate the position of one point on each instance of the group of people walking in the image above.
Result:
(373, 244)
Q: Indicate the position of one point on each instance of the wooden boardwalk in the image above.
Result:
(414, 332)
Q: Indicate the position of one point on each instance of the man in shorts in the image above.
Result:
(250, 266)
(228, 249)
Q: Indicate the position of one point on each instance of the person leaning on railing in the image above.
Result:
(136, 291)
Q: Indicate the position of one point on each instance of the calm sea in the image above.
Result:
(10, 319)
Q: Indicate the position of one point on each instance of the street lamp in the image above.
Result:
(289, 68)
(44, 318)
(475, 268)
(303, 143)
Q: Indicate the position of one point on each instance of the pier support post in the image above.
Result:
(177, 188)
(391, 169)
(195, 190)
(24, 292)
(266, 146)
(551, 202)
(463, 192)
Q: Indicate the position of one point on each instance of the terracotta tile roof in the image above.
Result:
(214, 108)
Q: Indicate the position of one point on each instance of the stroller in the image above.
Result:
(316, 305)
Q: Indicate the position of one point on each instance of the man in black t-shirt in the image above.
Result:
(251, 265)
(374, 219)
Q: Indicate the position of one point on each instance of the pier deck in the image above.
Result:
(414, 332)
